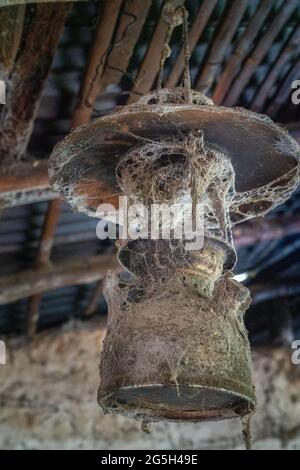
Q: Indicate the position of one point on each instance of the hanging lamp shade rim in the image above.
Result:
(82, 166)
(229, 404)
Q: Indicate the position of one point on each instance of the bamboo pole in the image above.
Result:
(195, 33)
(100, 48)
(284, 57)
(220, 45)
(260, 51)
(243, 47)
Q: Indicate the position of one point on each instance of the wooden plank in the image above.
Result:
(149, 68)
(25, 176)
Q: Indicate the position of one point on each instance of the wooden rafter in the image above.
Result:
(262, 229)
(53, 276)
(11, 27)
(285, 90)
(243, 47)
(195, 33)
(260, 51)
(112, 48)
(100, 48)
(133, 16)
(88, 93)
(42, 27)
(41, 260)
(151, 62)
(109, 57)
(220, 45)
(284, 57)
(27, 183)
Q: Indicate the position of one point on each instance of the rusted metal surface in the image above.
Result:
(119, 41)
(239, 133)
(151, 355)
(149, 367)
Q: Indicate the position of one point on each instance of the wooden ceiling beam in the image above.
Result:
(130, 26)
(284, 91)
(82, 270)
(150, 66)
(243, 47)
(88, 93)
(195, 33)
(220, 45)
(265, 229)
(43, 24)
(11, 27)
(42, 259)
(29, 181)
(27, 175)
(292, 45)
(261, 49)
